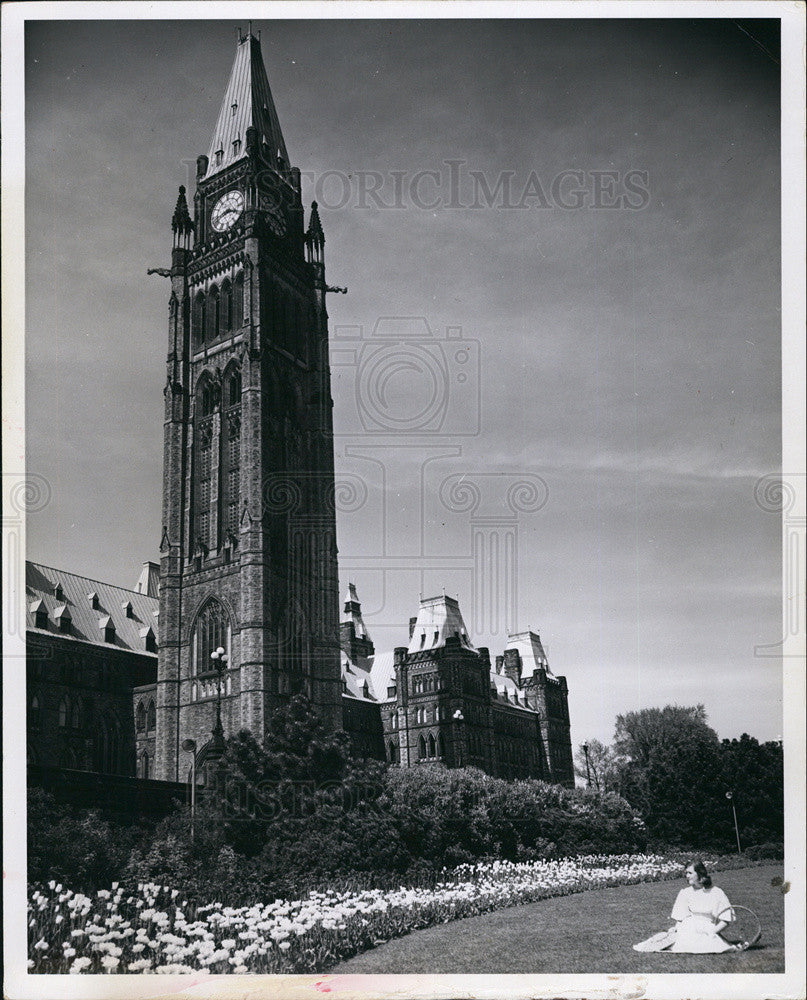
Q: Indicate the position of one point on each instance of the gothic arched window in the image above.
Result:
(422, 748)
(226, 306)
(231, 450)
(75, 715)
(432, 746)
(203, 462)
(140, 718)
(151, 718)
(34, 714)
(212, 630)
(441, 747)
(213, 313)
(238, 301)
(199, 317)
(64, 711)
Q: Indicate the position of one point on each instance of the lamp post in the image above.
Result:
(730, 797)
(459, 718)
(219, 658)
(189, 746)
(588, 769)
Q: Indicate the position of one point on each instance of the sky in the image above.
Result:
(616, 352)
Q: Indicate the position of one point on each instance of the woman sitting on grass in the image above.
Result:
(700, 912)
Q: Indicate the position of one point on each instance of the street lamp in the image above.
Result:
(219, 658)
(588, 770)
(730, 797)
(458, 718)
(189, 746)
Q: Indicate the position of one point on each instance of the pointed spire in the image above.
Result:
(247, 104)
(181, 223)
(315, 237)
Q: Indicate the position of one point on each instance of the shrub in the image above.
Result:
(764, 852)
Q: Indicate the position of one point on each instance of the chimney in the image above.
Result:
(512, 665)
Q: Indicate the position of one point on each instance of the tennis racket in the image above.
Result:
(743, 926)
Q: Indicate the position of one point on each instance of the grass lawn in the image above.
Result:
(588, 932)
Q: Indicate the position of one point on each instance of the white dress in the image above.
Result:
(696, 913)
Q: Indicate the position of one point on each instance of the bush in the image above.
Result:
(764, 852)
(83, 848)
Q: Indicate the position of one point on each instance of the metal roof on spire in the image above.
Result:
(247, 104)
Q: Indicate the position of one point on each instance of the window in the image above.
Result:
(144, 765)
(436, 637)
(64, 707)
(213, 313)
(238, 301)
(34, 714)
(236, 146)
(75, 715)
(211, 631)
(219, 154)
(421, 749)
(432, 746)
(394, 753)
(199, 317)
(231, 450)
(423, 640)
(441, 747)
(140, 718)
(151, 718)
(226, 306)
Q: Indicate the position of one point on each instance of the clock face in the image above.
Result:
(226, 211)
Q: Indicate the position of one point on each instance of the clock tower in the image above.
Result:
(248, 550)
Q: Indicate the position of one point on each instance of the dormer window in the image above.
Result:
(63, 618)
(40, 613)
(392, 691)
(58, 592)
(236, 146)
(93, 599)
(149, 642)
(436, 637)
(234, 107)
(126, 607)
(108, 627)
(423, 640)
(219, 154)
(366, 689)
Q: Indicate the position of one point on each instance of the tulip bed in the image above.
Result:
(150, 929)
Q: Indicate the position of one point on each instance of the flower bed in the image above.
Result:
(152, 930)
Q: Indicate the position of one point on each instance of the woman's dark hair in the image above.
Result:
(703, 876)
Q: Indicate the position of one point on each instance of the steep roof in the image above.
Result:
(149, 580)
(352, 612)
(438, 618)
(507, 687)
(247, 104)
(531, 651)
(132, 613)
(377, 671)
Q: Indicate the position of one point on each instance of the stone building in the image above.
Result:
(439, 698)
(91, 672)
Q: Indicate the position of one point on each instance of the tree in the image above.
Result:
(672, 774)
(753, 772)
(599, 768)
